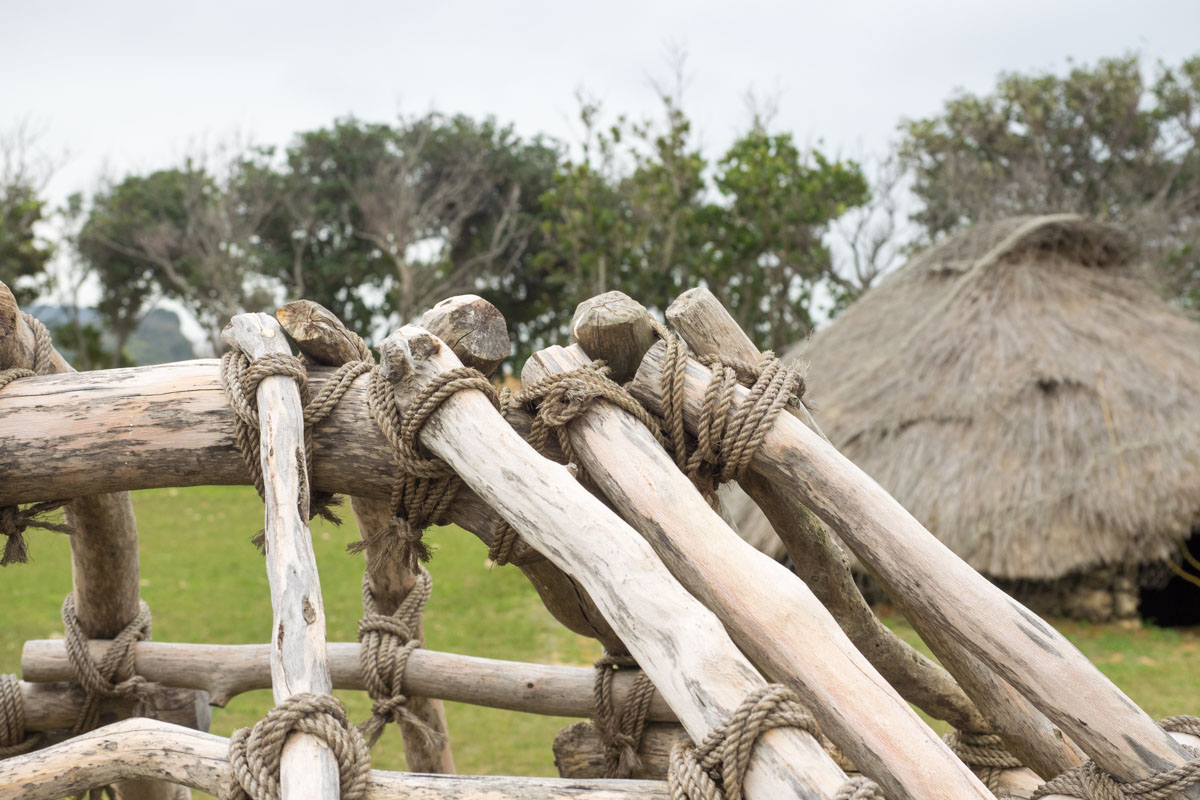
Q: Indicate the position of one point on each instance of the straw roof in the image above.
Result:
(1025, 395)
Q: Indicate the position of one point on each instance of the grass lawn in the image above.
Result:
(205, 583)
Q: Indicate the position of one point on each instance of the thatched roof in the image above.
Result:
(1025, 395)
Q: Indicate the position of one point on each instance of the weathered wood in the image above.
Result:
(677, 642)
(149, 749)
(104, 540)
(298, 663)
(56, 706)
(324, 339)
(614, 323)
(579, 751)
(709, 330)
(1020, 647)
(227, 670)
(473, 328)
(770, 614)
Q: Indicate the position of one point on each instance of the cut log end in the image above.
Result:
(615, 327)
(473, 328)
(318, 333)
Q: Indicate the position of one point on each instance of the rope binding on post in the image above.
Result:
(13, 739)
(113, 677)
(387, 641)
(716, 770)
(555, 401)
(984, 753)
(425, 486)
(1089, 782)
(255, 753)
(620, 732)
(14, 520)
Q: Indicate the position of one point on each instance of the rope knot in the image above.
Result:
(255, 753)
(13, 741)
(621, 732)
(386, 642)
(113, 677)
(15, 520)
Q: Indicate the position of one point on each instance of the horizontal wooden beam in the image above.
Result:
(227, 670)
(150, 749)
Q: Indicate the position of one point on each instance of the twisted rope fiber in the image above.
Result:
(424, 487)
(1089, 782)
(725, 444)
(555, 401)
(984, 753)
(113, 676)
(13, 741)
(255, 753)
(387, 641)
(241, 377)
(14, 520)
(716, 770)
(620, 732)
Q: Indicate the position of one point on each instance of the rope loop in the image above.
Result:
(620, 731)
(425, 486)
(984, 753)
(1089, 782)
(13, 741)
(255, 753)
(15, 520)
(387, 641)
(113, 677)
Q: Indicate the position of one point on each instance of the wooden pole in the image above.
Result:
(709, 330)
(298, 662)
(324, 339)
(579, 751)
(104, 541)
(770, 614)
(227, 670)
(677, 642)
(56, 706)
(149, 749)
(1020, 647)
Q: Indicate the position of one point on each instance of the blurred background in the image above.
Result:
(165, 166)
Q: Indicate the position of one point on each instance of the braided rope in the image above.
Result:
(14, 520)
(13, 741)
(620, 732)
(984, 753)
(424, 487)
(725, 443)
(555, 401)
(387, 640)
(716, 770)
(255, 753)
(1089, 782)
(114, 675)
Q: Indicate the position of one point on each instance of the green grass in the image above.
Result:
(206, 583)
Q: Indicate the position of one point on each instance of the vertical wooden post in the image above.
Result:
(323, 338)
(104, 546)
(298, 658)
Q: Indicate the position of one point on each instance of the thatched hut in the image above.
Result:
(1024, 393)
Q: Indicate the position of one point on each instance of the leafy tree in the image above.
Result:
(24, 254)
(1099, 140)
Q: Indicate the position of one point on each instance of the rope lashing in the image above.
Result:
(725, 444)
(255, 753)
(240, 378)
(1089, 782)
(716, 770)
(620, 732)
(113, 676)
(555, 401)
(984, 753)
(13, 741)
(424, 487)
(387, 640)
(14, 520)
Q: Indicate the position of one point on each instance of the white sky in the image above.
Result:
(120, 86)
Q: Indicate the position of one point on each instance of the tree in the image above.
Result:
(24, 254)
(1099, 141)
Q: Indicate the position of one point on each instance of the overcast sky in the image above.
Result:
(120, 86)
